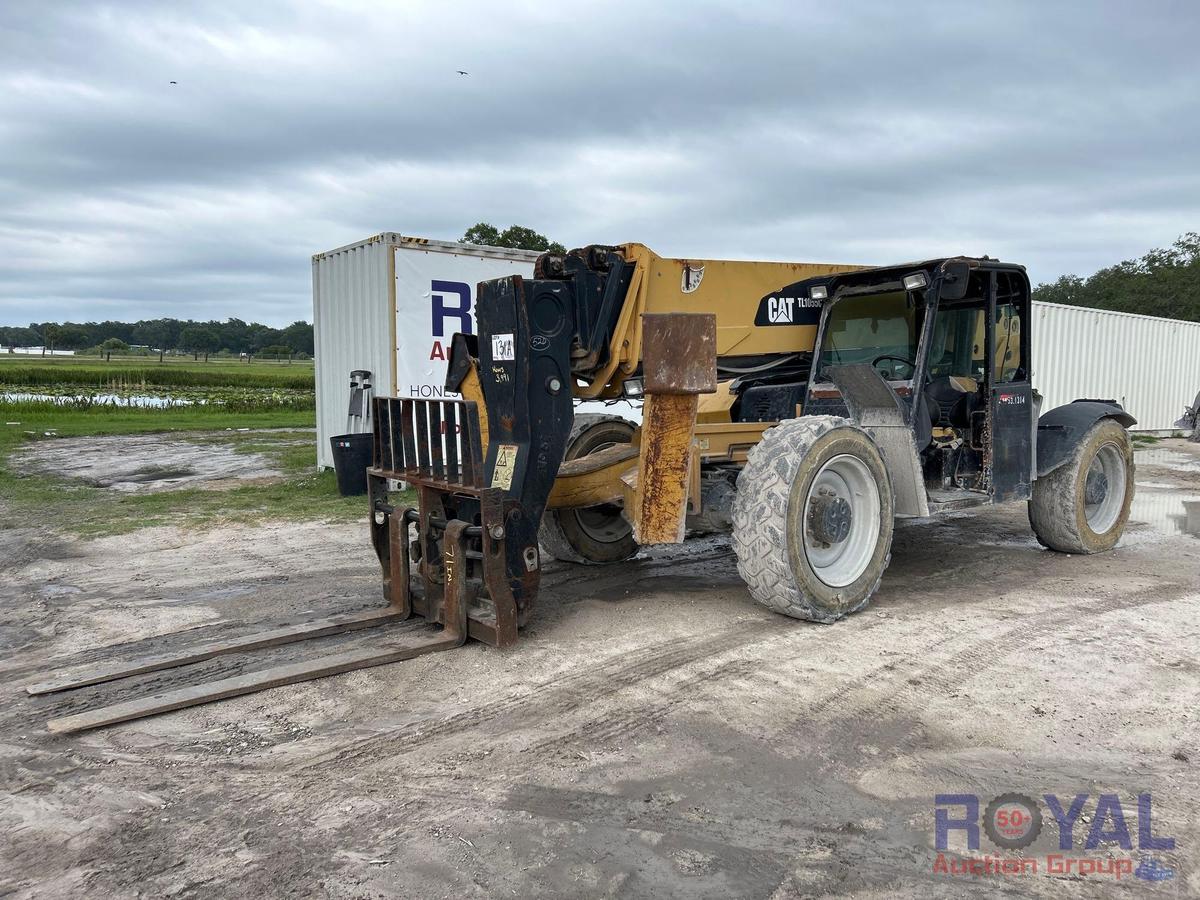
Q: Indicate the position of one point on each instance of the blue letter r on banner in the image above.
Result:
(441, 291)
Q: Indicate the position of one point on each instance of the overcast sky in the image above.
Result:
(1065, 136)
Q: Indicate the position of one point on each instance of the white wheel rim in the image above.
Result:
(841, 563)
(1108, 466)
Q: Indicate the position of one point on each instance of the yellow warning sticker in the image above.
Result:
(506, 463)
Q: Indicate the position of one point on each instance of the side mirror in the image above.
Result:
(956, 274)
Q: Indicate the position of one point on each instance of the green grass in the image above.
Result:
(85, 510)
(42, 417)
(1145, 440)
(140, 372)
(311, 497)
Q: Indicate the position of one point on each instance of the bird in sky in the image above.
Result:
(461, 72)
(174, 82)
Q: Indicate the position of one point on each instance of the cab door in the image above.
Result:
(1011, 401)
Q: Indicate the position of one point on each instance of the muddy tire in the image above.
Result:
(813, 519)
(598, 534)
(1083, 505)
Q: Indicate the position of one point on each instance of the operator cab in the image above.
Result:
(948, 338)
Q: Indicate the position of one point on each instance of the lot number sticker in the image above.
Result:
(502, 347)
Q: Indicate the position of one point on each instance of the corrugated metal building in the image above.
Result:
(1151, 366)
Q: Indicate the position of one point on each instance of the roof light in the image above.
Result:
(819, 292)
(915, 281)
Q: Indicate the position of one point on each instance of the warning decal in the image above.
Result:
(506, 464)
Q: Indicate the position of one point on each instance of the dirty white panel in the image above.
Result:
(351, 313)
(1151, 366)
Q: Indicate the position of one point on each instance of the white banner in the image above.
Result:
(435, 297)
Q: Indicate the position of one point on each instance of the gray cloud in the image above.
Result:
(1059, 135)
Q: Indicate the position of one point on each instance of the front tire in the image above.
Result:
(591, 535)
(813, 519)
(1083, 505)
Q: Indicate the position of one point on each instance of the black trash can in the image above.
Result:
(351, 459)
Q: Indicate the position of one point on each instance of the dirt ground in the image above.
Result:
(654, 734)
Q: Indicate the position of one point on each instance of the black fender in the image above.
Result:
(1061, 429)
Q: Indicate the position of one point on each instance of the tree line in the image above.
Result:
(188, 336)
(1164, 282)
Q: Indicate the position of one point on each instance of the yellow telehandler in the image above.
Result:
(804, 407)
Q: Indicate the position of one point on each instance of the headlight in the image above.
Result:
(819, 292)
(915, 281)
(634, 387)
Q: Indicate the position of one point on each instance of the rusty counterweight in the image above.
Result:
(679, 363)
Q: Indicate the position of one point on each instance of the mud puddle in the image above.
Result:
(1167, 500)
(144, 463)
(1177, 460)
(1170, 512)
(140, 401)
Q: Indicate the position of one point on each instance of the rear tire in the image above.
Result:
(813, 519)
(592, 535)
(1072, 516)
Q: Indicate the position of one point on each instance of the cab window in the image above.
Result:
(862, 329)
(1008, 354)
(959, 338)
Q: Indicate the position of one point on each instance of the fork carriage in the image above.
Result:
(461, 545)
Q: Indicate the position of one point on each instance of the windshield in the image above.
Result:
(862, 329)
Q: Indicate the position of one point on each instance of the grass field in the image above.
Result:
(30, 501)
(139, 372)
(236, 395)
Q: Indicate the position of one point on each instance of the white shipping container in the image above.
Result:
(1151, 366)
(390, 305)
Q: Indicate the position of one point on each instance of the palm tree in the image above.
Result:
(50, 335)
